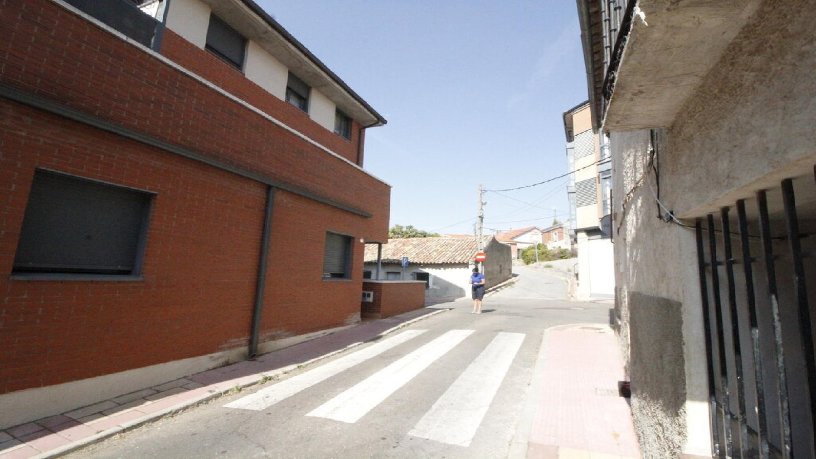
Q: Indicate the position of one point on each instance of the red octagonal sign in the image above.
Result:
(480, 257)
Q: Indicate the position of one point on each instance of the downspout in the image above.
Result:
(361, 141)
(379, 260)
(260, 284)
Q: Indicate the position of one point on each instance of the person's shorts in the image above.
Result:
(478, 292)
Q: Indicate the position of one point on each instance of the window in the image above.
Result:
(393, 275)
(225, 42)
(337, 257)
(606, 192)
(366, 274)
(585, 192)
(423, 277)
(342, 124)
(297, 93)
(78, 226)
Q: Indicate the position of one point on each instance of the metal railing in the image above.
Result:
(126, 17)
(758, 327)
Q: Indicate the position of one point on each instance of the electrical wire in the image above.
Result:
(550, 179)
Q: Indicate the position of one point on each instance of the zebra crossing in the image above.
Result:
(453, 419)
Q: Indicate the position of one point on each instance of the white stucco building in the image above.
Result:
(589, 193)
(709, 108)
(444, 263)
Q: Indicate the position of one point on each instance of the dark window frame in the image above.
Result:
(425, 277)
(218, 29)
(36, 230)
(342, 124)
(337, 266)
(297, 92)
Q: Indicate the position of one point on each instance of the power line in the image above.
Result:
(548, 180)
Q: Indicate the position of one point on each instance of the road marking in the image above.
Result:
(267, 397)
(456, 416)
(355, 402)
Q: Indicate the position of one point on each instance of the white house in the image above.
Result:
(520, 239)
(444, 263)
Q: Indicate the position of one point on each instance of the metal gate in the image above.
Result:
(756, 266)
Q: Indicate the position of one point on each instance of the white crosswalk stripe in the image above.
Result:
(268, 396)
(456, 416)
(355, 402)
(453, 419)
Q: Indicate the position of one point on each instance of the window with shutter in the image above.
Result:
(79, 226)
(225, 42)
(337, 257)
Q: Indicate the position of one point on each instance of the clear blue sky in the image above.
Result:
(473, 91)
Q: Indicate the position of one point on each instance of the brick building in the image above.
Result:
(182, 185)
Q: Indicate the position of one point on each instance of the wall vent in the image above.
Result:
(368, 296)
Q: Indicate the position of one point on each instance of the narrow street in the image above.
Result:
(453, 385)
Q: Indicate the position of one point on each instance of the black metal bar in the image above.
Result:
(714, 420)
(770, 272)
(718, 318)
(728, 262)
(260, 285)
(753, 320)
(800, 287)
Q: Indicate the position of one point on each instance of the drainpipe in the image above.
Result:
(361, 141)
(379, 260)
(261, 281)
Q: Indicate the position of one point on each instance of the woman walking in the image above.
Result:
(477, 281)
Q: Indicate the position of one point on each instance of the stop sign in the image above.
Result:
(480, 257)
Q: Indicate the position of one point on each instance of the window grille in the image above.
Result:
(756, 268)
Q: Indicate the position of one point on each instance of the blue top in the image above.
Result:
(476, 279)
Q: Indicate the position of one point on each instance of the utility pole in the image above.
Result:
(480, 224)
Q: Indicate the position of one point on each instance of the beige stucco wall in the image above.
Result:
(321, 109)
(747, 126)
(189, 19)
(265, 70)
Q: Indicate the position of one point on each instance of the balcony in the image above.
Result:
(650, 71)
(127, 17)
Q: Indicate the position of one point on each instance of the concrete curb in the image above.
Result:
(201, 395)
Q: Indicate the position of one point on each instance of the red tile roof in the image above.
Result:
(426, 250)
(509, 236)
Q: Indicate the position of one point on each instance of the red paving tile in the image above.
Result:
(580, 408)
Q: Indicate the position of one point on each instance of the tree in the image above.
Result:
(544, 254)
(399, 232)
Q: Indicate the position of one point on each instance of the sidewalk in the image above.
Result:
(574, 411)
(60, 434)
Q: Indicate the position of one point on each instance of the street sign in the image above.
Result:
(404, 262)
(480, 257)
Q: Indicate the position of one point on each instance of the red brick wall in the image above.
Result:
(392, 298)
(51, 52)
(199, 268)
(201, 259)
(212, 68)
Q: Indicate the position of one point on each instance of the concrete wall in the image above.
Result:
(596, 277)
(748, 125)
(499, 265)
(656, 271)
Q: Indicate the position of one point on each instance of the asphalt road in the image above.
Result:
(453, 385)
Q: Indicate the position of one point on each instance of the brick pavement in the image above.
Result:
(575, 410)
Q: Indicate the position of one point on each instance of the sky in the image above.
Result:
(474, 93)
